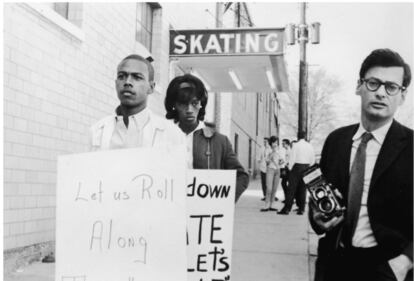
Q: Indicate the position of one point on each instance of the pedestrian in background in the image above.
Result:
(186, 102)
(272, 174)
(263, 152)
(302, 156)
(284, 169)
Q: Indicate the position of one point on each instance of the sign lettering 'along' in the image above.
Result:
(226, 42)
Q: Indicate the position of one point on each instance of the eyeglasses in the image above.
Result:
(374, 84)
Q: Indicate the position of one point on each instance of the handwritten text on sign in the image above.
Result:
(210, 208)
(121, 216)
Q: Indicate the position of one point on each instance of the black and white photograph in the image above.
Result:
(208, 141)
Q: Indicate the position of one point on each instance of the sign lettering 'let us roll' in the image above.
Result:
(249, 41)
(121, 215)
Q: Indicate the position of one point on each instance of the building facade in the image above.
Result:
(59, 74)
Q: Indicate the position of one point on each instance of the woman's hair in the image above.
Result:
(273, 139)
(196, 88)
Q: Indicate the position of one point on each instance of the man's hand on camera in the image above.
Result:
(323, 222)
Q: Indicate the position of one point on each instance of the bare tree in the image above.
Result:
(323, 116)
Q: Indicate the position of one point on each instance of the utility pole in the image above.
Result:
(217, 97)
(300, 33)
(303, 75)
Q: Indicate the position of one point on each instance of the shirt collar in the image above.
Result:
(199, 126)
(378, 134)
(139, 118)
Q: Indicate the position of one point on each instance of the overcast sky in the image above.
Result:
(349, 32)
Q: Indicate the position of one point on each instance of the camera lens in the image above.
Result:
(320, 193)
(326, 205)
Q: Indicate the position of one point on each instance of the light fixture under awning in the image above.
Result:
(251, 71)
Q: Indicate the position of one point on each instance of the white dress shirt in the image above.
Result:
(130, 137)
(263, 153)
(156, 132)
(284, 156)
(189, 139)
(302, 153)
(363, 236)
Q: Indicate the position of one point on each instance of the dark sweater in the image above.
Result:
(212, 150)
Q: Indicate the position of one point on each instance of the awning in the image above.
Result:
(232, 60)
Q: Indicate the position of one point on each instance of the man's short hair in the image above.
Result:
(385, 58)
(144, 60)
(286, 141)
(196, 87)
(273, 139)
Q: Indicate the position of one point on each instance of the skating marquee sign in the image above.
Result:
(215, 42)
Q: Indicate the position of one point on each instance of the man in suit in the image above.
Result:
(371, 165)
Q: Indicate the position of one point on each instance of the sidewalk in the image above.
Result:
(266, 246)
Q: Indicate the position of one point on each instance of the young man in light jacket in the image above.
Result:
(133, 124)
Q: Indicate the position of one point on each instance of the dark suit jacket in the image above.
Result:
(390, 197)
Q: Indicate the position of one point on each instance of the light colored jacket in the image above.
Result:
(157, 132)
(263, 153)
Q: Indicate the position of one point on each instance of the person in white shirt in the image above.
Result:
(273, 161)
(284, 168)
(133, 124)
(301, 157)
(263, 152)
(371, 164)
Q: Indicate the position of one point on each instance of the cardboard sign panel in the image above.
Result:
(121, 215)
(210, 209)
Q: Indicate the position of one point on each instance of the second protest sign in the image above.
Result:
(210, 215)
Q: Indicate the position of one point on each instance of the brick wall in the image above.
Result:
(55, 86)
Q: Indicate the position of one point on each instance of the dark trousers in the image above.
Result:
(284, 182)
(296, 189)
(356, 264)
(263, 179)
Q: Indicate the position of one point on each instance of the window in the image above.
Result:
(69, 11)
(236, 143)
(62, 8)
(144, 24)
(267, 102)
(67, 16)
(250, 153)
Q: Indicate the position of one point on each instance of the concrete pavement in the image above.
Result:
(266, 246)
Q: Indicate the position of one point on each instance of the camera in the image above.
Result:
(324, 195)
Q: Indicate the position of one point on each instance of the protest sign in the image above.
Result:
(210, 208)
(121, 215)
